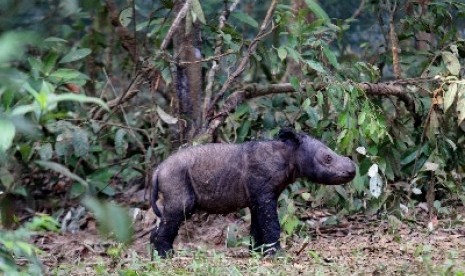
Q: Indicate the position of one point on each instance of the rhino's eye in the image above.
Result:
(328, 159)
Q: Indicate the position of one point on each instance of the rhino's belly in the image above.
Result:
(221, 206)
(220, 198)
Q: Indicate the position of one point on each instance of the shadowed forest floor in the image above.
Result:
(356, 245)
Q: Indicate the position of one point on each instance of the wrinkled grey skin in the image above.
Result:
(222, 178)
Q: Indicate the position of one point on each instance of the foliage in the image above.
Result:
(53, 71)
(114, 220)
(14, 245)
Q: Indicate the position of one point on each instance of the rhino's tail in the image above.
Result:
(154, 197)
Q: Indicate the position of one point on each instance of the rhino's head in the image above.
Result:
(317, 162)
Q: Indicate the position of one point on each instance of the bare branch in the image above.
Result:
(243, 62)
(358, 11)
(182, 13)
(395, 48)
(128, 94)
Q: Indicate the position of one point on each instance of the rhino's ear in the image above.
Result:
(288, 135)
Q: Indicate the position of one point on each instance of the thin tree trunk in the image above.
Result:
(188, 76)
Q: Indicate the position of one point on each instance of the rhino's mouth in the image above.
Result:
(344, 176)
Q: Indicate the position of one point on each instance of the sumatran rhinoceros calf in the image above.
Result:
(222, 178)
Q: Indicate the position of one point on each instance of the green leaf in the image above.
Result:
(46, 151)
(461, 103)
(66, 75)
(31, 90)
(241, 110)
(62, 170)
(243, 131)
(36, 66)
(49, 62)
(306, 104)
(121, 145)
(294, 54)
(430, 166)
(7, 134)
(113, 220)
(55, 39)
(75, 55)
(43, 222)
(6, 178)
(361, 117)
(80, 143)
(12, 45)
(245, 18)
(165, 117)
(452, 62)
(23, 109)
(315, 65)
(78, 98)
(295, 82)
(306, 196)
(450, 95)
(198, 12)
(125, 17)
(290, 223)
(282, 53)
(317, 10)
(330, 56)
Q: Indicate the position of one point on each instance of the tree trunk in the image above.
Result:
(188, 75)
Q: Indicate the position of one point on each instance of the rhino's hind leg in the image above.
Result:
(265, 227)
(174, 214)
(256, 242)
(163, 237)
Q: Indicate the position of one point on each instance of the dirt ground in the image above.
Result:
(357, 245)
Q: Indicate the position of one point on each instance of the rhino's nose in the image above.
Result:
(349, 170)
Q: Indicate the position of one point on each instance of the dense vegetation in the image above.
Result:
(93, 94)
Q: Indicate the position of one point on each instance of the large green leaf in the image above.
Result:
(12, 45)
(452, 62)
(66, 75)
(62, 170)
(7, 134)
(198, 12)
(317, 10)
(315, 65)
(78, 98)
(75, 55)
(165, 117)
(245, 18)
(112, 219)
(125, 17)
(450, 95)
(330, 56)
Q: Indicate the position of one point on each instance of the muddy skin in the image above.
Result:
(222, 178)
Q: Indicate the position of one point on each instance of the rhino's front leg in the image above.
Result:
(265, 227)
